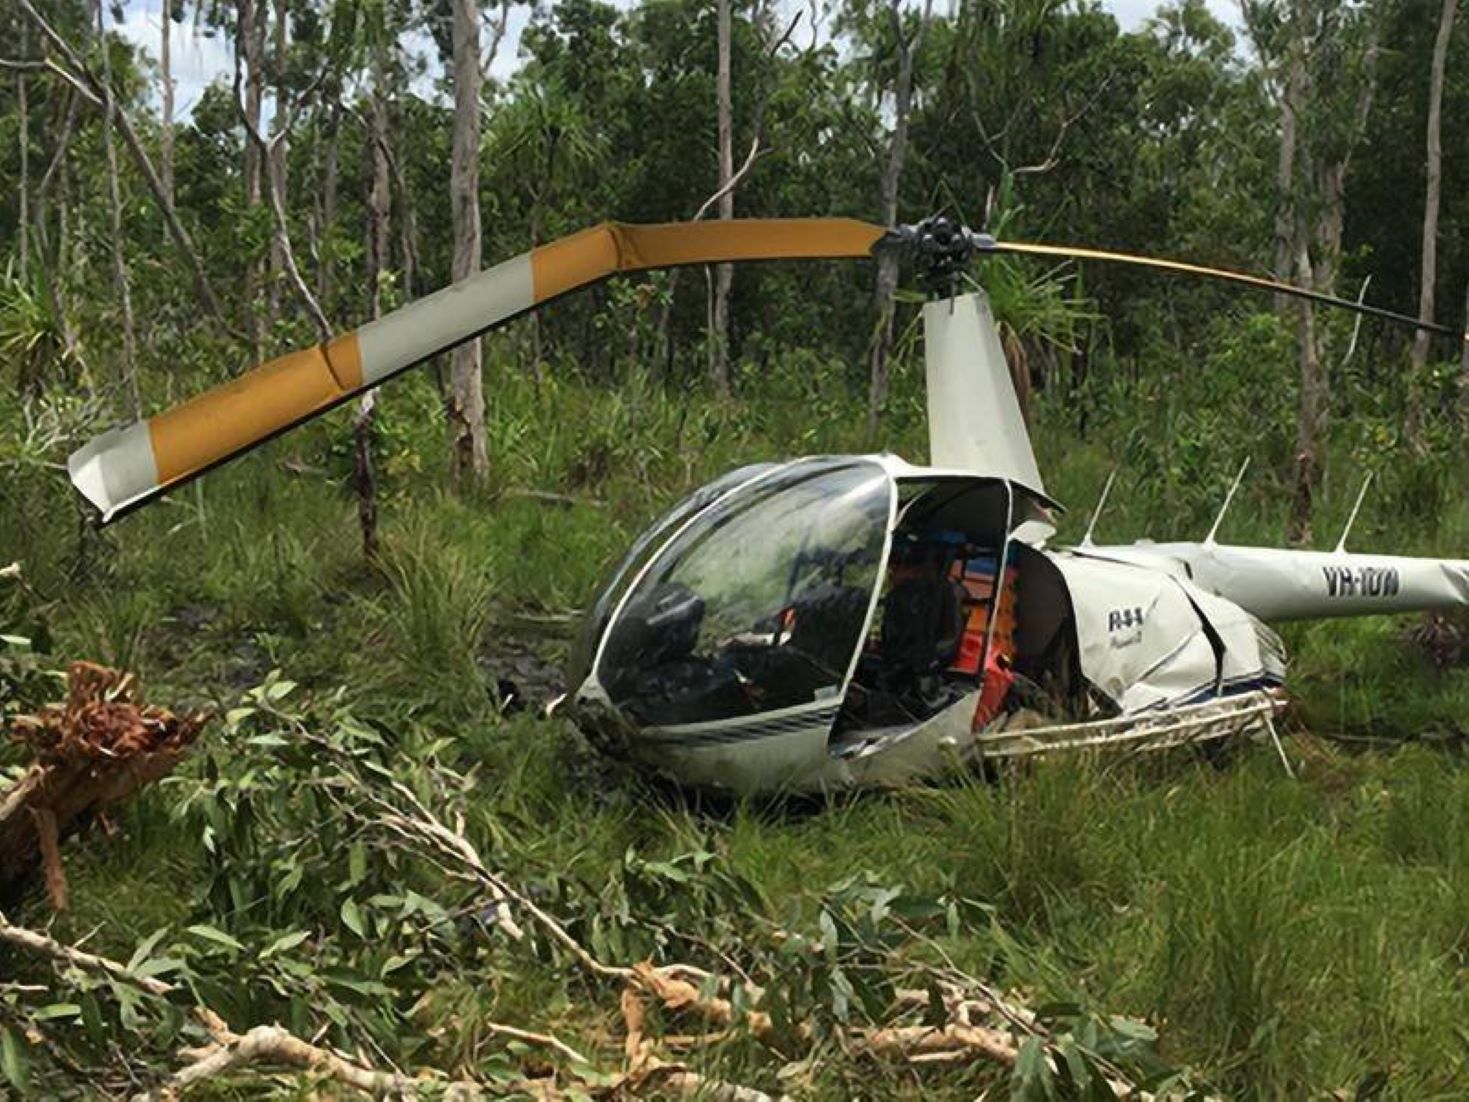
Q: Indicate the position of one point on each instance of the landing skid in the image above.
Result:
(1247, 714)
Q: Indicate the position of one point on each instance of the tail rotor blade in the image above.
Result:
(126, 468)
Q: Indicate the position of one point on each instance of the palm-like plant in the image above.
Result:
(33, 334)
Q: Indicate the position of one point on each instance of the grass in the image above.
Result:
(1287, 937)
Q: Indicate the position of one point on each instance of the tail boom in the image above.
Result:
(1280, 584)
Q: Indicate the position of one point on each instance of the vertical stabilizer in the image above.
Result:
(974, 421)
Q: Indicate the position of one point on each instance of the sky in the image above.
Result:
(198, 60)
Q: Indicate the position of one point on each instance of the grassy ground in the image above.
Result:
(1285, 937)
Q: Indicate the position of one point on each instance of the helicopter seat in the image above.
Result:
(922, 625)
(826, 620)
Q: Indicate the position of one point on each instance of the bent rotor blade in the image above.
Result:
(126, 468)
(1241, 278)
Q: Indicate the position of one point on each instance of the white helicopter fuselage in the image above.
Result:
(1151, 644)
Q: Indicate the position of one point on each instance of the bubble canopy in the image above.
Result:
(756, 602)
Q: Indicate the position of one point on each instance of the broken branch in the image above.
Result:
(77, 958)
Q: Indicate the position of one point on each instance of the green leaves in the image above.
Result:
(55, 1011)
(13, 1061)
(285, 943)
(352, 918)
(215, 937)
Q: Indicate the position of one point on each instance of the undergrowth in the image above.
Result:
(1282, 936)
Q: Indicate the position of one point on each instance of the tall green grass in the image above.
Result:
(1288, 937)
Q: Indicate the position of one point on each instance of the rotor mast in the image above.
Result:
(974, 418)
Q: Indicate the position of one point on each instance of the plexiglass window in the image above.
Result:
(651, 538)
(759, 604)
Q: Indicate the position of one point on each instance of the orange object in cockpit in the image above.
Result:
(977, 576)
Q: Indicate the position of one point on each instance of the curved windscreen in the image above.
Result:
(652, 537)
(758, 604)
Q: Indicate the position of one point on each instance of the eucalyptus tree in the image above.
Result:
(249, 56)
(891, 37)
(723, 273)
(1325, 53)
(165, 95)
(1428, 273)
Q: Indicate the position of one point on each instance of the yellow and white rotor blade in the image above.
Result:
(125, 468)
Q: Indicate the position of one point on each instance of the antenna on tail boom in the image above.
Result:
(1086, 540)
(1341, 544)
(1228, 500)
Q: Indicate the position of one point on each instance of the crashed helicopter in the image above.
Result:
(837, 621)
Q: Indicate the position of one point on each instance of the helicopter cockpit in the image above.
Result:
(819, 608)
(757, 603)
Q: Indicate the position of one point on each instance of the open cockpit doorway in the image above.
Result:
(972, 628)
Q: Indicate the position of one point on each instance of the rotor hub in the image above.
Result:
(942, 247)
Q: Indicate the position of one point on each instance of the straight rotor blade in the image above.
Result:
(126, 468)
(1224, 274)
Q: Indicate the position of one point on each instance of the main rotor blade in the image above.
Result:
(1241, 278)
(126, 468)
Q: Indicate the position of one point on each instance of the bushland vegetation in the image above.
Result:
(357, 847)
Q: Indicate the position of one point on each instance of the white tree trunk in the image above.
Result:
(277, 161)
(120, 281)
(250, 48)
(469, 450)
(892, 176)
(1285, 183)
(1428, 276)
(165, 69)
(723, 273)
(330, 175)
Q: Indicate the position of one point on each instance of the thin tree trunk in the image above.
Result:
(892, 175)
(1311, 429)
(278, 152)
(1464, 364)
(1285, 177)
(314, 222)
(407, 232)
(81, 78)
(249, 48)
(1326, 170)
(120, 282)
(1428, 276)
(723, 273)
(469, 450)
(378, 230)
(48, 258)
(51, 259)
(1311, 420)
(165, 68)
(330, 178)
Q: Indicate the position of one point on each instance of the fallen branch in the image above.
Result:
(228, 1049)
(646, 1070)
(48, 946)
(978, 1023)
(544, 1039)
(919, 1042)
(270, 1044)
